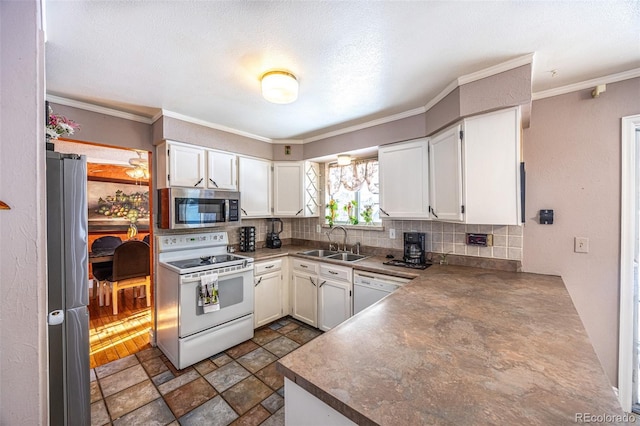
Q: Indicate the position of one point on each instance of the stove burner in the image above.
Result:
(404, 264)
(207, 260)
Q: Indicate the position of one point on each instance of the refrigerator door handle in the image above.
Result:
(55, 317)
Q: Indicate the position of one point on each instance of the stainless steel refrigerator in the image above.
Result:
(68, 289)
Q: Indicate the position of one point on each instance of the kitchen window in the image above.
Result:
(353, 193)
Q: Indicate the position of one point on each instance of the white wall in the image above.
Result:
(572, 156)
(23, 351)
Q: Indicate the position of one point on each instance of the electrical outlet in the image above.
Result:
(392, 234)
(581, 245)
(318, 228)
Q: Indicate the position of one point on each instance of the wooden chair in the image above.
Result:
(103, 270)
(131, 268)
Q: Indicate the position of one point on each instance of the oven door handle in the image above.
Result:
(220, 274)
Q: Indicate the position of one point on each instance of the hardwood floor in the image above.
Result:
(116, 336)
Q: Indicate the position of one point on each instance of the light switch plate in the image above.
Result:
(318, 229)
(392, 234)
(581, 245)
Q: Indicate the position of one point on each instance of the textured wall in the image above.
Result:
(23, 345)
(504, 90)
(106, 129)
(572, 156)
(444, 112)
(395, 131)
(296, 152)
(182, 131)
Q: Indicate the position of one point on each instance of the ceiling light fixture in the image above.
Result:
(139, 167)
(344, 160)
(279, 87)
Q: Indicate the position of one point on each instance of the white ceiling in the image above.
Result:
(356, 61)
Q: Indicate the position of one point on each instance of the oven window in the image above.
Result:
(231, 291)
(192, 211)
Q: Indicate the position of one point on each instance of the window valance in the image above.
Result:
(353, 176)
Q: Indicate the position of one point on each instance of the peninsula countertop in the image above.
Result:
(457, 345)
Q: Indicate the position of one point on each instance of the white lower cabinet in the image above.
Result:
(269, 293)
(334, 295)
(304, 291)
(320, 293)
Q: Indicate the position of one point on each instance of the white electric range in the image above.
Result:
(185, 332)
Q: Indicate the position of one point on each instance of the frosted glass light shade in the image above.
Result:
(344, 160)
(279, 87)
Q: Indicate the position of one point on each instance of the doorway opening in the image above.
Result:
(120, 208)
(628, 352)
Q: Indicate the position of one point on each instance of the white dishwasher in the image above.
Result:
(368, 288)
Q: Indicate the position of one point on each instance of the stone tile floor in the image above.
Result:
(239, 386)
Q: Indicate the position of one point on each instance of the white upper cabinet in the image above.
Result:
(404, 180)
(445, 175)
(475, 170)
(295, 188)
(255, 183)
(221, 170)
(180, 165)
(491, 176)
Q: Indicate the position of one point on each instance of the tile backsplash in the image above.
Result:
(441, 237)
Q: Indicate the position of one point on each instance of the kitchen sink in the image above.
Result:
(347, 257)
(319, 253)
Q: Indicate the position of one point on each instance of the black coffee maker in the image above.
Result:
(414, 247)
(273, 233)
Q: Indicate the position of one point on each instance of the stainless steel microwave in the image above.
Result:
(182, 208)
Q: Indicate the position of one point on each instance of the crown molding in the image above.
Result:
(99, 109)
(204, 123)
(368, 124)
(289, 141)
(589, 84)
(496, 69)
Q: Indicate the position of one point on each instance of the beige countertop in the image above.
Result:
(456, 345)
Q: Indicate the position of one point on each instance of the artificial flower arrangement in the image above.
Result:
(367, 214)
(349, 208)
(333, 211)
(59, 125)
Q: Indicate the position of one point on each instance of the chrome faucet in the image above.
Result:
(344, 241)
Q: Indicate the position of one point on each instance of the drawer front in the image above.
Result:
(305, 265)
(266, 267)
(335, 272)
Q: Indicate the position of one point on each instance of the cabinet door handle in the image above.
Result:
(198, 182)
(380, 208)
(269, 267)
(259, 281)
(214, 182)
(304, 266)
(244, 211)
(299, 211)
(322, 283)
(333, 272)
(311, 279)
(433, 211)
